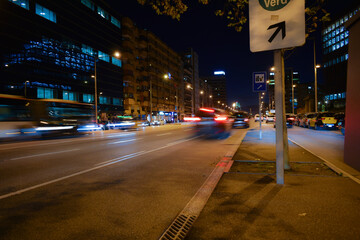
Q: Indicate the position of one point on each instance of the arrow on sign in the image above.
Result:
(280, 26)
(259, 86)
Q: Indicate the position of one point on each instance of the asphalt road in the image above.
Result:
(107, 185)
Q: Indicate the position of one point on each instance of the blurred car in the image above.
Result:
(143, 123)
(155, 123)
(122, 122)
(257, 117)
(270, 118)
(290, 119)
(298, 119)
(340, 118)
(324, 120)
(304, 122)
(211, 122)
(241, 119)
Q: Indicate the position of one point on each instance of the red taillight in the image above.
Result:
(192, 119)
(322, 119)
(246, 119)
(207, 110)
(220, 118)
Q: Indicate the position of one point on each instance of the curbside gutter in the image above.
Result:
(181, 225)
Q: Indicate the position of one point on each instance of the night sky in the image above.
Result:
(222, 48)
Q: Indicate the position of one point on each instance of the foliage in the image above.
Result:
(235, 11)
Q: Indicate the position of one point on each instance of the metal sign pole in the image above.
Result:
(282, 150)
(260, 133)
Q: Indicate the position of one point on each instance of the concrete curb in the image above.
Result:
(182, 223)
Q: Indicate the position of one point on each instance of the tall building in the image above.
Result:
(49, 48)
(191, 81)
(218, 88)
(152, 75)
(292, 80)
(335, 39)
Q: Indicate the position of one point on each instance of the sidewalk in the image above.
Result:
(314, 202)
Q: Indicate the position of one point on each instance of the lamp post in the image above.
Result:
(316, 66)
(315, 85)
(117, 55)
(192, 99)
(202, 98)
(292, 100)
(26, 82)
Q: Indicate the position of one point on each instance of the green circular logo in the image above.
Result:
(273, 5)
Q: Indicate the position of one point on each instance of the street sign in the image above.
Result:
(259, 82)
(276, 24)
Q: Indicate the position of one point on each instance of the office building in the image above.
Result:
(335, 39)
(49, 49)
(218, 88)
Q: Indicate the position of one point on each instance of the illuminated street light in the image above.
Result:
(272, 68)
(117, 54)
(26, 82)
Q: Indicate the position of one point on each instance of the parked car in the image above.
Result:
(241, 119)
(270, 118)
(324, 120)
(211, 123)
(289, 118)
(257, 117)
(298, 118)
(304, 122)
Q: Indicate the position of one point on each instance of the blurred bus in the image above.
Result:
(22, 118)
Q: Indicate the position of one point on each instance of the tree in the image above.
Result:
(235, 11)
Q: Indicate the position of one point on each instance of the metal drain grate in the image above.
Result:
(179, 228)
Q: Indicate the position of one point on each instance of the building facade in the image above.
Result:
(152, 75)
(335, 39)
(191, 82)
(218, 88)
(49, 50)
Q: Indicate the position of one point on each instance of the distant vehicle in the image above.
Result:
(121, 122)
(257, 117)
(241, 119)
(270, 118)
(324, 120)
(290, 118)
(211, 122)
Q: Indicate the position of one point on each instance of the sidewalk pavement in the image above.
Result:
(314, 202)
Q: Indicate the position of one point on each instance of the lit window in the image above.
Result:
(102, 13)
(116, 61)
(45, 93)
(88, 98)
(21, 3)
(346, 33)
(115, 21)
(89, 4)
(335, 96)
(346, 56)
(116, 101)
(45, 13)
(104, 100)
(346, 41)
(343, 95)
(67, 95)
(87, 50)
(103, 56)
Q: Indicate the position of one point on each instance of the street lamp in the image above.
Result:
(26, 82)
(315, 85)
(202, 98)
(117, 55)
(192, 98)
(292, 100)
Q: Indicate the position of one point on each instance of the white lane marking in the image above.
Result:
(44, 154)
(132, 155)
(115, 160)
(123, 141)
(121, 135)
(163, 134)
